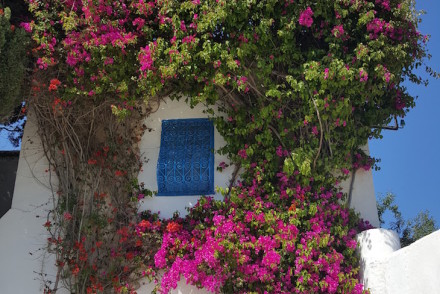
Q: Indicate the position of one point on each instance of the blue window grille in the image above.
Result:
(186, 157)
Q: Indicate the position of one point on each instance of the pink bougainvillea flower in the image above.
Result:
(399, 103)
(363, 75)
(326, 73)
(242, 153)
(188, 39)
(338, 31)
(182, 26)
(108, 60)
(279, 151)
(145, 58)
(27, 26)
(305, 18)
(222, 165)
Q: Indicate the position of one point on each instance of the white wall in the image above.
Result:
(23, 239)
(363, 199)
(150, 146)
(386, 269)
(415, 268)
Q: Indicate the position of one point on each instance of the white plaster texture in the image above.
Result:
(386, 269)
(150, 146)
(374, 247)
(23, 241)
(363, 199)
(415, 268)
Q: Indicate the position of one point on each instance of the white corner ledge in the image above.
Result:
(387, 269)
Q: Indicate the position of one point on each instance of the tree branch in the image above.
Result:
(321, 135)
(234, 177)
(3, 128)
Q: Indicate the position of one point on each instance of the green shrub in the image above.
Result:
(14, 44)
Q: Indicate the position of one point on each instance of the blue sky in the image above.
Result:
(4, 142)
(410, 157)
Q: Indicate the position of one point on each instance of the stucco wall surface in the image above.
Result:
(23, 238)
(387, 269)
(363, 199)
(415, 268)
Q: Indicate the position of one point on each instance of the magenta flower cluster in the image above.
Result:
(305, 18)
(283, 229)
(379, 26)
(288, 240)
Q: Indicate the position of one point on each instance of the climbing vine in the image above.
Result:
(301, 85)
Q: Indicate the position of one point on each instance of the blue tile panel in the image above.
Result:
(186, 157)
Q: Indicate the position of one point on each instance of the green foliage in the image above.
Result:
(409, 230)
(14, 43)
(301, 85)
(423, 224)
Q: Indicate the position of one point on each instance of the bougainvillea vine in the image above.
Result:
(301, 85)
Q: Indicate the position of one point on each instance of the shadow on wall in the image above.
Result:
(388, 269)
(8, 172)
(375, 246)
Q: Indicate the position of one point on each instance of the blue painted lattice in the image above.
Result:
(186, 158)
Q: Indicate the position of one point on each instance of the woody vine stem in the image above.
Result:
(300, 86)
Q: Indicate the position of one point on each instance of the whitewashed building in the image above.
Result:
(23, 258)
